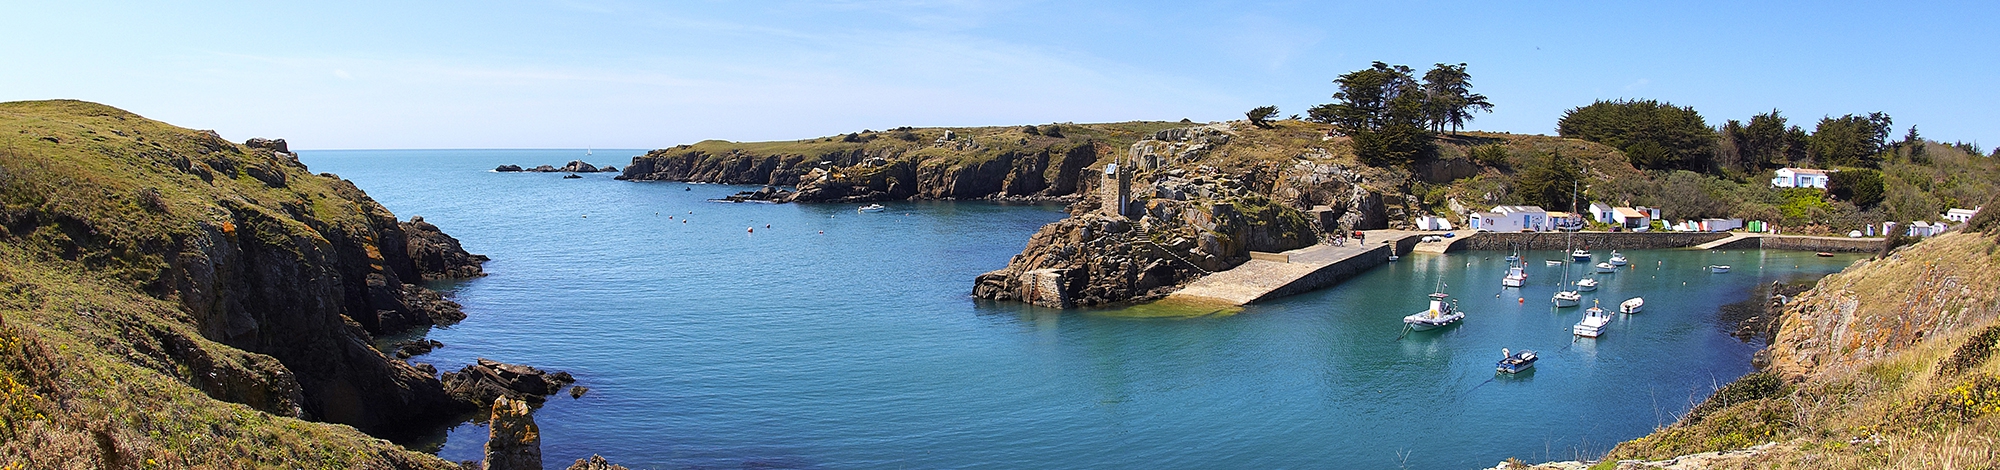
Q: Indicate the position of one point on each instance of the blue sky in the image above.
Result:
(629, 74)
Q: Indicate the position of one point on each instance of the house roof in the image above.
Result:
(1807, 171)
(1628, 212)
(1956, 211)
(1512, 209)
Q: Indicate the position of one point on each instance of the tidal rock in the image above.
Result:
(544, 169)
(578, 166)
(595, 462)
(488, 379)
(608, 169)
(507, 168)
(764, 194)
(435, 255)
(408, 349)
(514, 443)
(578, 391)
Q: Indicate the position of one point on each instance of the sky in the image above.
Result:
(636, 74)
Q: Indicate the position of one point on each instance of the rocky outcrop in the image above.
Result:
(1880, 307)
(1343, 193)
(487, 379)
(595, 462)
(859, 175)
(432, 255)
(764, 194)
(574, 166)
(513, 441)
(508, 168)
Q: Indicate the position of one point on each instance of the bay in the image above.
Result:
(811, 336)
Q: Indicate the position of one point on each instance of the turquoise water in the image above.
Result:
(707, 345)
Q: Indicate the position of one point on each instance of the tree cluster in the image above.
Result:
(1850, 140)
(1655, 135)
(1392, 117)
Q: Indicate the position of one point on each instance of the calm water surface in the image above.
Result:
(708, 345)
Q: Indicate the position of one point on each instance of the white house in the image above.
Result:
(1960, 215)
(1632, 218)
(1601, 213)
(1531, 217)
(1800, 178)
(1509, 219)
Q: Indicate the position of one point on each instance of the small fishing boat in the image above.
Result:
(1515, 362)
(1553, 262)
(1824, 254)
(1606, 268)
(1632, 305)
(1516, 277)
(1443, 311)
(572, 176)
(1617, 259)
(1586, 284)
(1579, 254)
(1718, 268)
(1593, 323)
(871, 208)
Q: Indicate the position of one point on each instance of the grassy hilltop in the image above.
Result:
(125, 249)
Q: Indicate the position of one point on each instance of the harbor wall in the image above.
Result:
(1332, 273)
(1499, 241)
(1828, 244)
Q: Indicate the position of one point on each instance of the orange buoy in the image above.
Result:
(1522, 300)
(751, 229)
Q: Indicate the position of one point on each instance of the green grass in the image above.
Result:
(97, 369)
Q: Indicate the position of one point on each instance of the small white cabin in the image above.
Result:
(1800, 178)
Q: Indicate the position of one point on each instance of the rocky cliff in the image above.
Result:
(904, 163)
(228, 269)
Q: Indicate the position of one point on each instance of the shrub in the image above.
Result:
(1862, 187)
(1655, 135)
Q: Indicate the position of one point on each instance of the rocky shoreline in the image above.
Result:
(574, 166)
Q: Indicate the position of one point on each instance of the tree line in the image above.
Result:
(1391, 115)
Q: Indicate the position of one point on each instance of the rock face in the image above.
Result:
(514, 442)
(1050, 170)
(432, 255)
(1879, 307)
(487, 379)
(1195, 226)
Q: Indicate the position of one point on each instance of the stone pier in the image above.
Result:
(1272, 275)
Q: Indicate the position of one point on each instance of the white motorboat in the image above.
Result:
(1632, 305)
(1516, 277)
(1606, 268)
(1553, 262)
(1593, 323)
(1718, 268)
(1579, 254)
(1515, 362)
(1617, 259)
(871, 208)
(1443, 311)
(1586, 285)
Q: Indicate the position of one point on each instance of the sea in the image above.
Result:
(750, 335)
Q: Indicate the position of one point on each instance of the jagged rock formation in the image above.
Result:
(487, 379)
(513, 442)
(574, 166)
(901, 164)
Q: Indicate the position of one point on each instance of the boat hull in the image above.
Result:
(1562, 301)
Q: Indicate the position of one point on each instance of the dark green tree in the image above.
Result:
(1549, 181)
(1916, 145)
(1653, 134)
(1763, 143)
(1382, 109)
(1850, 140)
(1862, 187)
(1259, 116)
(1448, 97)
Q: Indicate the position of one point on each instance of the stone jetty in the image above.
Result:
(1272, 275)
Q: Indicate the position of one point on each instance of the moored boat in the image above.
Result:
(1718, 268)
(1586, 285)
(1443, 311)
(1516, 277)
(1632, 305)
(1515, 362)
(1580, 254)
(1824, 254)
(871, 208)
(1617, 259)
(1593, 323)
(1606, 268)
(1568, 298)
(1553, 262)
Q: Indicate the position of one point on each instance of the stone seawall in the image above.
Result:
(1497, 241)
(1332, 273)
(1828, 244)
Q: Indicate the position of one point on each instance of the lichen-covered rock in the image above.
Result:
(514, 442)
(595, 462)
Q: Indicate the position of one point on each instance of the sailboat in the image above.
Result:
(1443, 311)
(1567, 298)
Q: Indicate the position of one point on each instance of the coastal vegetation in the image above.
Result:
(170, 299)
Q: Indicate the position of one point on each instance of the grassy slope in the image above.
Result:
(86, 354)
(1896, 404)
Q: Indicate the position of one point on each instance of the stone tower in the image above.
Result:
(1117, 189)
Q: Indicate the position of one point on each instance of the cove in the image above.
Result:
(706, 343)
